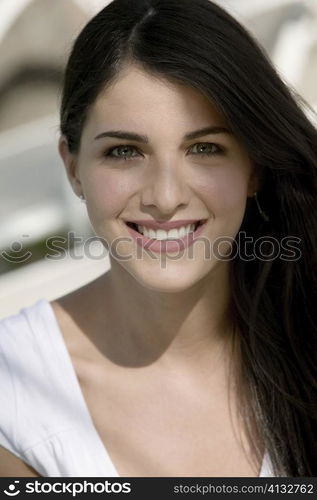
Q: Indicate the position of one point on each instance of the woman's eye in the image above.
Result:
(207, 149)
(122, 152)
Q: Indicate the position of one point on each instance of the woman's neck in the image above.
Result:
(186, 328)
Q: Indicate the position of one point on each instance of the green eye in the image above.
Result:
(121, 148)
(123, 151)
(208, 149)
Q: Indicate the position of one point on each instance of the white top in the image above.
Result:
(44, 419)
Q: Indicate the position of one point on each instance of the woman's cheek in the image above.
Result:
(223, 190)
(107, 195)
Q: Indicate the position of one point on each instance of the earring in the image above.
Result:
(82, 198)
(262, 213)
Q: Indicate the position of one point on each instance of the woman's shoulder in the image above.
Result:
(19, 365)
(18, 327)
(42, 316)
(35, 382)
(26, 342)
(26, 334)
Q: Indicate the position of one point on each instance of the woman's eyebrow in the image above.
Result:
(131, 136)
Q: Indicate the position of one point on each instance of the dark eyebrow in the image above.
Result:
(131, 136)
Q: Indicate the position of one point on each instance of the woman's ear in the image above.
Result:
(255, 182)
(70, 161)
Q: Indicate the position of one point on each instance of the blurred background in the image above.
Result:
(36, 201)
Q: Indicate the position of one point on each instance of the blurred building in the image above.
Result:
(36, 200)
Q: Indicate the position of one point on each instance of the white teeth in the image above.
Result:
(160, 234)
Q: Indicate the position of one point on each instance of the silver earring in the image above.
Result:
(262, 213)
(82, 198)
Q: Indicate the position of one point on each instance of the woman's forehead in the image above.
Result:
(138, 94)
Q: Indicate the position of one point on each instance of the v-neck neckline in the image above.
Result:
(74, 379)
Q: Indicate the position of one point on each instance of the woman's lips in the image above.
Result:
(166, 226)
(164, 246)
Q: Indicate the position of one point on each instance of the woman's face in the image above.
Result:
(165, 177)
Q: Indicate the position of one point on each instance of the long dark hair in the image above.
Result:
(273, 301)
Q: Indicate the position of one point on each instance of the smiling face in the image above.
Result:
(171, 173)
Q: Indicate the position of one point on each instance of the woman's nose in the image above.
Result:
(165, 188)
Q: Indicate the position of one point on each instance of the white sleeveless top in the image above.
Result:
(44, 419)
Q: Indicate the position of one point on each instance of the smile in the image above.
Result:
(165, 234)
(169, 239)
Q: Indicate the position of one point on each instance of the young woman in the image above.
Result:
(195, 355)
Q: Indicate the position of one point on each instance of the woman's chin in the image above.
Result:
(168, 279)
